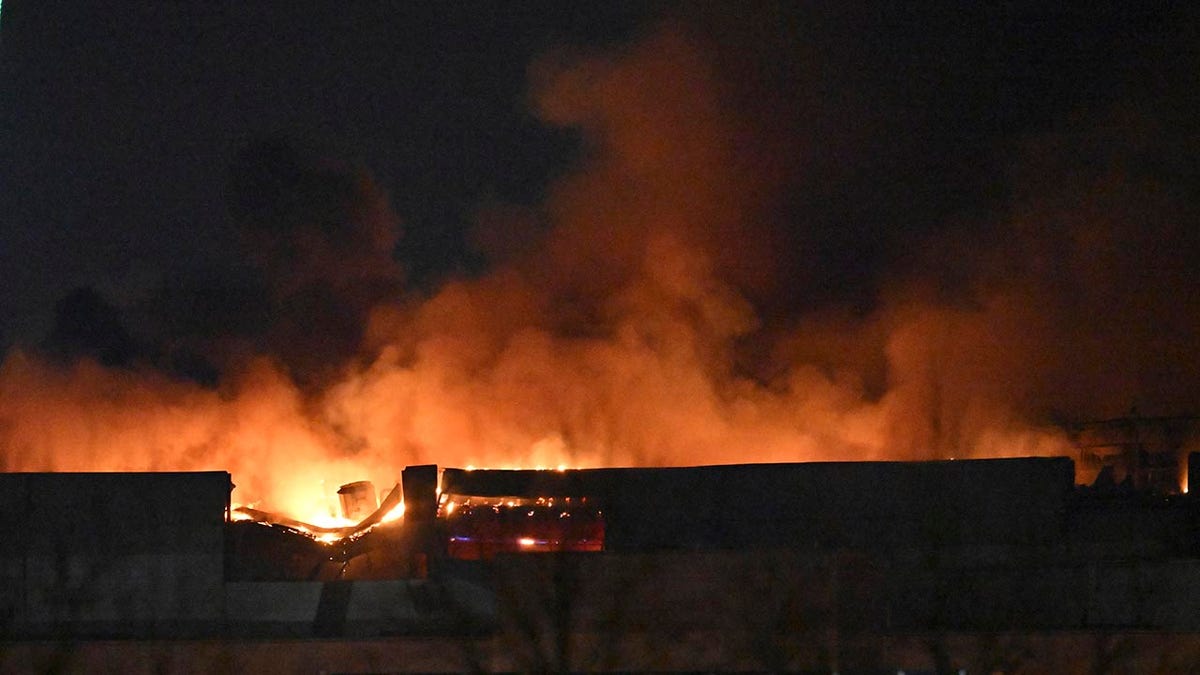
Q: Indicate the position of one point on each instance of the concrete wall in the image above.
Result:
(358, 608)
(818, 505)
(1060, 653)
(737, 591)
(112, 553)
(981, 546)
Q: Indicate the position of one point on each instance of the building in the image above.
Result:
(954, 566)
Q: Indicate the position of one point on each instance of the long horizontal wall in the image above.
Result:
(1011, 502)
(734, 593)
(112, 553)
(764, 611)
(883, 547)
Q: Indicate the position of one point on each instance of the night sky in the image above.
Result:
(121, 124)
(184, 185)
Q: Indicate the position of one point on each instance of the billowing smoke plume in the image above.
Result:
(686, 295)
(322, 234)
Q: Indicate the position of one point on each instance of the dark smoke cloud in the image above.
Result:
(312, 220)
(317, 238)
(85, 324)
(323, 234)
(320, 235)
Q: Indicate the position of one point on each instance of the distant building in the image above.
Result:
(1140, 453)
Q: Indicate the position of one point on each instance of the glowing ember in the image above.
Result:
(480, 527)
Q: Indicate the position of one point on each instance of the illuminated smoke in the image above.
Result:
(639, 318)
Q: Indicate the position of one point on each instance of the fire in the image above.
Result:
(657, 314)
(327, 537)
(237, 511)
(480, 527)
(360, 514)
(323, 519)
(395, 514)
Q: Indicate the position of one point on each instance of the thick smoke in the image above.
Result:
(669, 304)
(322, 234)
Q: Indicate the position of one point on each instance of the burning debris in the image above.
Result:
(267, 546)
(481, 527)
(355, 499)
(414, 522)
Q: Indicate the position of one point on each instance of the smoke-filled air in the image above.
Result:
(692, 290)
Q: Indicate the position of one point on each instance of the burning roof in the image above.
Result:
(391, 508)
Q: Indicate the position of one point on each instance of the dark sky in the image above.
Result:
(120, 124)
